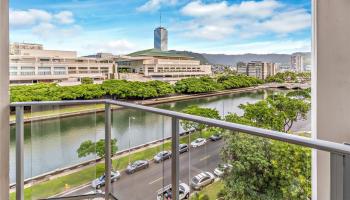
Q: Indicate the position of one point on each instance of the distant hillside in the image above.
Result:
(233, 59)
(224, 59)
(197, 56)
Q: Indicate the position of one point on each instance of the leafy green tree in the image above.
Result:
(203, 112)
(196, 85)
(263, 168)
(281, 77)
(89, 147)
(303, 94)
(87, 80)
(277, 112)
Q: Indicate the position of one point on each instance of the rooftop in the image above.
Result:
(159, 53)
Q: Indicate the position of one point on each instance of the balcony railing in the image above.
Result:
(339, 153)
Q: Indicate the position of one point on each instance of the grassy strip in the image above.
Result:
(211, 191)
(59, 111)
(60, 184)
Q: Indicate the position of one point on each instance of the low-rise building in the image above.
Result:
(162, 65)
(257, 69)
(30, 63)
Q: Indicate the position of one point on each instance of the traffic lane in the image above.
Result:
(145, 183)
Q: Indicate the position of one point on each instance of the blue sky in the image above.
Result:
(124, 26)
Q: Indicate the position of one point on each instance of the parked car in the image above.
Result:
(198, 142)
(221, 169)
(161, 156)
(166, 192)
(183, 148)
(215, 137)
(136, 166)
(201, 180)
(99, 182)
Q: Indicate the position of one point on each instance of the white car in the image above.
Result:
(198, 142)
(201, 180)
(166, 193)
(99, 182)
(221, 169)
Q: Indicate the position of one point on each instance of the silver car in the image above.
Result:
(99, 182)
(222, 169)
(166, 192)
(136, 166)
(201, 180)
(161, 156)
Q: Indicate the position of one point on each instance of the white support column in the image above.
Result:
(331, 84)
(4, 100)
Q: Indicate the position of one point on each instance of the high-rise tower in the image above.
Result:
(161, 38)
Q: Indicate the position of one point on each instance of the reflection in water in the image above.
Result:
(52, 144)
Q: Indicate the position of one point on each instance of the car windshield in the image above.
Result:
(135, 164)
(102, 177)
(182, 189)
(161, 153)
(198, 140)
(195, 180)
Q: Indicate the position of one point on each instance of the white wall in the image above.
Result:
(4, 101)
(331, 84)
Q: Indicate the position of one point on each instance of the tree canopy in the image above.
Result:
(263, 168)
(123, 89)
(203, 112)
(89, 147)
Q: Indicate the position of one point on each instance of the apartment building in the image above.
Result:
(31, 63)
(162, 65)
(257, 69)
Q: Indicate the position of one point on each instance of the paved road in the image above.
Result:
(145, 183)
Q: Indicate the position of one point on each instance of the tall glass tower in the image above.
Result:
(161, 38)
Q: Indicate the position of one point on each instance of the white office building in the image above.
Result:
(30, 63)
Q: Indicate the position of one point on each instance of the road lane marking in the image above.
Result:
(158, 179)
(204, 158)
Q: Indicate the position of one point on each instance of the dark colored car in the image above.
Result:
(215, 137)
(136, 166)
(183, 148)
(161, 156)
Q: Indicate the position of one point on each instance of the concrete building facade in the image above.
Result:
(30, 63)
(161, 38)
(257, 69)
(162, 65)
(297, 62)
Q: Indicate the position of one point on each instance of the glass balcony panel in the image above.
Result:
(141, 136)
(56, 167)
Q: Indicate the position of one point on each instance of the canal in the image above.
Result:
(52, 144)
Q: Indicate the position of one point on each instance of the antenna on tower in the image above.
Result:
(160, 19)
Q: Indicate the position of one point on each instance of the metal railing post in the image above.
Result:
(175, 161)
(108, 163)
(19, 153)
(340, 176)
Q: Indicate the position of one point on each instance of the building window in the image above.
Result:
(44, 70)
(59, 70)
(27, 71)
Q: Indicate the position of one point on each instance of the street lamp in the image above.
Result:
(129, 132)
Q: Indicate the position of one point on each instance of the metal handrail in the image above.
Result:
(339, 153)
(323, 145)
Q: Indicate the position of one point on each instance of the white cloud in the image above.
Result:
(65, 17)
(25, 18)
(44, 24)
(288, 21)
(49, 30)
(154, 5)
(220, 20)
(114, 46)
